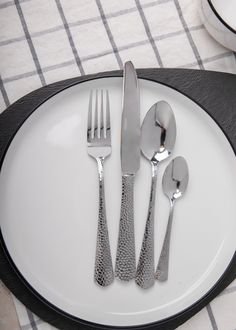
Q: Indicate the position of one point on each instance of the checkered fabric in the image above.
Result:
(42, 41)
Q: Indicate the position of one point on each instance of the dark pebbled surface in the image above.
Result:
(213, 91)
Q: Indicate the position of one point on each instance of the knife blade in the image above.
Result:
(130, 126)
(130, 163)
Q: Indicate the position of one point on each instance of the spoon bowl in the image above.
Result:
(158, 132)
(175, 178)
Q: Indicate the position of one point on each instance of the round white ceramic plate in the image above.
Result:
(49, 205)
(219, 18)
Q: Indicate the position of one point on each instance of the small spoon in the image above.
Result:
(158, 134)
(174, 183)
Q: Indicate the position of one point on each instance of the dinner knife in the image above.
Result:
(130, 162)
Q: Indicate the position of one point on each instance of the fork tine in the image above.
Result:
(108, 121)
(102, 130)
(96, 123)
(89, 125)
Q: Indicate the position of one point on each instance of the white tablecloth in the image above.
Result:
(42, 41)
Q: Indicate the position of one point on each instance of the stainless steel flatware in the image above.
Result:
(99, 147)
(157, 142)
(175, 181)
(130, 162)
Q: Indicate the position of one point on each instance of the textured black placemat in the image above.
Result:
(215, 92)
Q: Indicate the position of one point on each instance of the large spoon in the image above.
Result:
(158, 136)
(174, 183)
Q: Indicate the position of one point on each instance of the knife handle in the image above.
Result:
(125, 258)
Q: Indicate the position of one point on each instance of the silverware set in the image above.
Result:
(155, 140)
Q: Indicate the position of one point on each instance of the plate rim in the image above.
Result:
(17, 120)
(220, 18)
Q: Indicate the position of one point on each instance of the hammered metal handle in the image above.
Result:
(163, 263)
(103, 273)
(125, 257)
(145, 271)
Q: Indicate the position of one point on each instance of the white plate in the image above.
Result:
(219, 18)
(49, 200)
(227, 11)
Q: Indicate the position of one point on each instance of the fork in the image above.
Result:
(99, 148)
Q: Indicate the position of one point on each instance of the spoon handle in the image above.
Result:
(163, 263)
(125, 256)
(145, 271)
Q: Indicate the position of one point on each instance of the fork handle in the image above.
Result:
(125, 257)
(103, 273)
